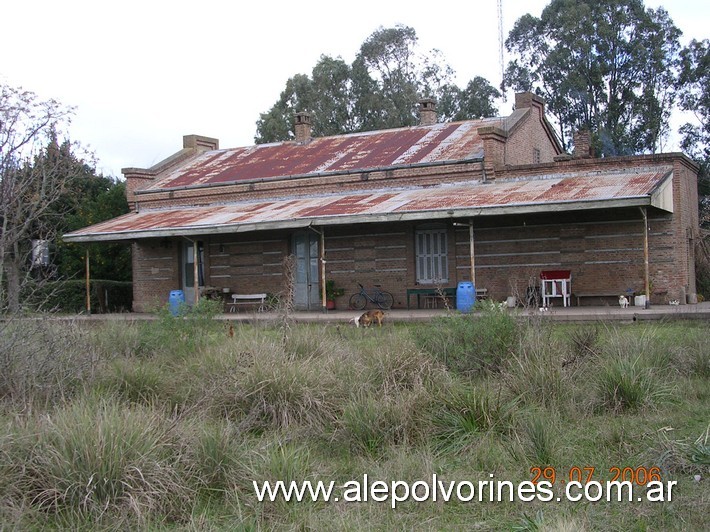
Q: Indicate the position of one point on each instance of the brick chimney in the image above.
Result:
(494, 141)
(199, 143)
(136, 179)
(140, 178)
(303, 127)
(427, 112)
(582, 140)
(528, 100)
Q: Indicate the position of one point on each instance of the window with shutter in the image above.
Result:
(432, 262)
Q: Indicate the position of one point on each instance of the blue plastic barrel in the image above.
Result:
(465, 296)
(176, 299)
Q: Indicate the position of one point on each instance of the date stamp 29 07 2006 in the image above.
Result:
(586, 483)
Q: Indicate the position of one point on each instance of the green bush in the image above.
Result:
(214, 454)
(368, 425)
(535, 373)
(140, 382)
(471, 344)
(464, 413)
(278, 392)
(685, 455)
(534, 441)
(279, 460)
(633, 371)
(627, 384)
(182, 335)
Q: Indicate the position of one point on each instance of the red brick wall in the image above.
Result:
(155, 273)
(685, 226)
(604, 254)
(247, 263)
(371, 254)
(527, 137)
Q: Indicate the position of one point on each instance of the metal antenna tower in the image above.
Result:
(500, 41)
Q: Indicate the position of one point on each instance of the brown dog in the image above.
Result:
(368, 318)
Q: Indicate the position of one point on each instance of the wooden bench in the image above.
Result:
(247, 299)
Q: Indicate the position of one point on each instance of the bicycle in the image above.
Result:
(377, 297)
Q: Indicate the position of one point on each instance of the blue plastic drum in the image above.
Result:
(465, 296)
(175, 301)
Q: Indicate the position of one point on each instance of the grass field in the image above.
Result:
(166, 424)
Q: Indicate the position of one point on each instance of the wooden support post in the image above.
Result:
(196, 271)
(647, 278)
(88, 284)
(473, 255)
(322, 268)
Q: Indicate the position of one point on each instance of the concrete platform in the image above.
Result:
(584, 314)
(571, 314)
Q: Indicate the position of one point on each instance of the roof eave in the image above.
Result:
(438, 214)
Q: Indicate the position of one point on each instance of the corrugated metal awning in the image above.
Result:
(447, 201)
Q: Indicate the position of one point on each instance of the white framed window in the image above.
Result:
(431, 255)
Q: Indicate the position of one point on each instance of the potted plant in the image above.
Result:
(331, 292)
(643, 299)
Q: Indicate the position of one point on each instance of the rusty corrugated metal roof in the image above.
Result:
(457, 141)
(568, 192)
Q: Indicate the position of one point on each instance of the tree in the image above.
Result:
(32, 180)
(331, 97)
(91, 199)
(387, 58)
(694, 88)
(608, 66)
(47, 189)
(381, 89)
(327, 95)
(475, 101)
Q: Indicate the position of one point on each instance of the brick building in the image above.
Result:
(494, 201)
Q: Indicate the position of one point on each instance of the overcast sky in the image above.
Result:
(143, 73)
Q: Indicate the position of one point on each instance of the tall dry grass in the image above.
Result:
(43, 361)
(97, 458)
(161, 425)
